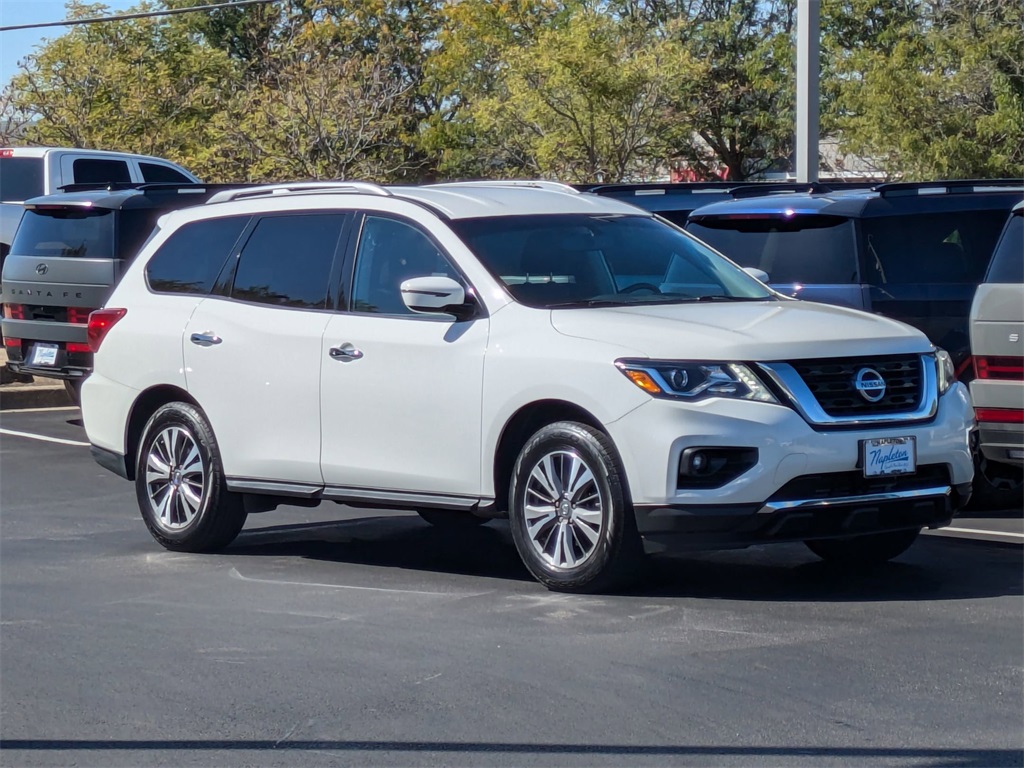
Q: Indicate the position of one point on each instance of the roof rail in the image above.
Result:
(299, 187)
(551, 186)
(952, 186)
(757, 188)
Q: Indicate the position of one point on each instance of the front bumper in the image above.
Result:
(807, 483)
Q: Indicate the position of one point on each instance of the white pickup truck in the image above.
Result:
(27, 172)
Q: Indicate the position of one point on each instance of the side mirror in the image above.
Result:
(760, 274)
(436, 295)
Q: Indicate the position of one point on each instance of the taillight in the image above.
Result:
(100, 323)
(1000, 415)
(77, 346)
(78, 315)
(12, 342)
(14, 311)
(1006, 368)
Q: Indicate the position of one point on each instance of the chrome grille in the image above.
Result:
(832, 383)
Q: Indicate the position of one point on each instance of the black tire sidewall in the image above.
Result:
(598, 569)
(188, 417)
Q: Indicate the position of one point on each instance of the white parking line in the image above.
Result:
(281, 582)
(44, 438)
(989, 533)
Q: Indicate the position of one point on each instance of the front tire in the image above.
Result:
(570, 512)
(871, 549)
(179, 483)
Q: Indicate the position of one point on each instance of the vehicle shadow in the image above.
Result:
(935, 568)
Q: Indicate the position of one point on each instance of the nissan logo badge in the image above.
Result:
(41, 269)
(870, 384)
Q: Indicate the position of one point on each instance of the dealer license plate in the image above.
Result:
(43, 354)
(888, 456)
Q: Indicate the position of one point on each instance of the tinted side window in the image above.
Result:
(811, 249)
(93, 171)
(157, 173)
(391, 252)
(287, 260)
(1008, 260)
(950, 247)
(191, 258)
(20, 178)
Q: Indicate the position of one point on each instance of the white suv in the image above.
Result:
(480, 349)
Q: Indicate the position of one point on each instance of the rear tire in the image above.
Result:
(864, 550)
(570, 512)
(179, 483)
(996, 486)
(74, 389)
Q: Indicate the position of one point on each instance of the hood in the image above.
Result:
(742, 331)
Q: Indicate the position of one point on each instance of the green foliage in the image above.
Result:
(936, 91)
(580, 90)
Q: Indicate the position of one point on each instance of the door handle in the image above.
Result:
(207, 339)
(346, 353)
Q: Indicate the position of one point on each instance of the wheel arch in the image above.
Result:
(522, 425)
(145, 405)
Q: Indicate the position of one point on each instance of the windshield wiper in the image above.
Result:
(723, 297)
(582, 303)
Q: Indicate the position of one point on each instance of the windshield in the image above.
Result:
(812, 249)
(21, 178)
(587, 260)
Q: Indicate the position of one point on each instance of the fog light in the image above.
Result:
(693, 462)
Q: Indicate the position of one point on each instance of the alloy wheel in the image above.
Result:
(175, 478)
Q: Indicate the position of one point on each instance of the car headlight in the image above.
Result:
(946, 371)
(695, 381)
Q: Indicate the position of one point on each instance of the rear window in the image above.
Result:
(154, 172)
(791, 249)
(1008, 261)
(66, 232)
(21, 178)
(949, 247)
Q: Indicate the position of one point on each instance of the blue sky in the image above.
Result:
(16, 45)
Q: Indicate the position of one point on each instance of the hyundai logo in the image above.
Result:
(41, 269)
(870, 384)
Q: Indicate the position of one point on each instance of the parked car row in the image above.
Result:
(594, 372)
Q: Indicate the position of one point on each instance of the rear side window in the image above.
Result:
(154, 172)
(66, 232)
(287, 261)
(792, 249)
(949, 247)
(95, 171)
(1008, 261)
(190, 260)
(21, 178)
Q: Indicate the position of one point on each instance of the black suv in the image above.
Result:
(68, 253)
(912, 251)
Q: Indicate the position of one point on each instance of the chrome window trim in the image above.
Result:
(870, 498)
(786, 378)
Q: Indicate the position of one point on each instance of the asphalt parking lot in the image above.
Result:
(340, 636)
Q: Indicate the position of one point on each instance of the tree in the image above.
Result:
(933, 88)
(141, 85)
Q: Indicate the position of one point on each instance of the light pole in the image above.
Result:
(808, 44)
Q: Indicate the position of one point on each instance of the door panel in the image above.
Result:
(405, 414)
(401, 392)
(259, 386)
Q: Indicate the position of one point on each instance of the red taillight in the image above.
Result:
(78, 315)
(12, 342)
(77, 346)
(1007, 368)
(1001, 415)
(100, 323)
(14, 311)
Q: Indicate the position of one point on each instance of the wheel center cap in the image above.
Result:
(564, 508)
(176, 478)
